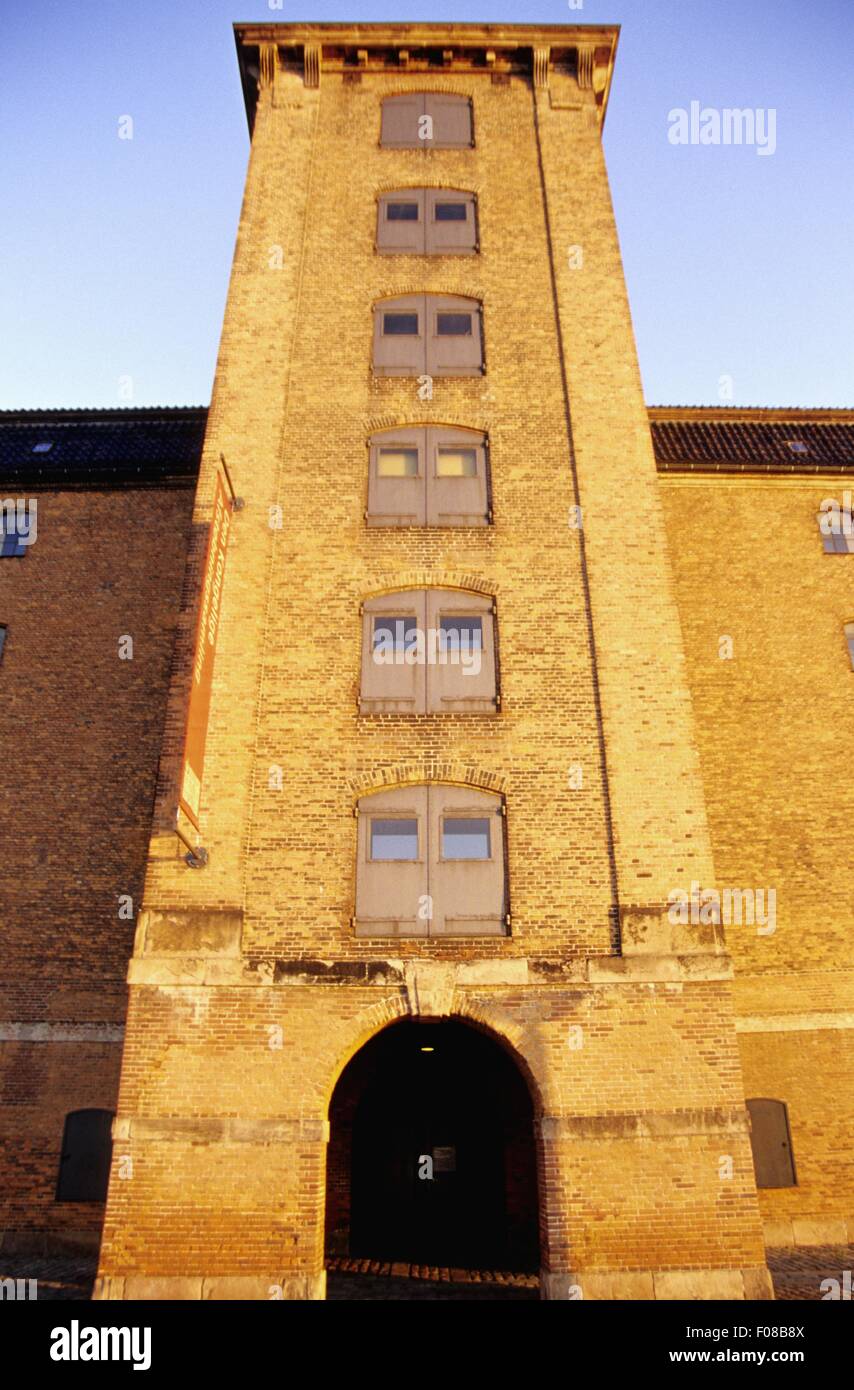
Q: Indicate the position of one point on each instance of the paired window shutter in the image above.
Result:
(469, 895)
(456, 496)
(396, 495)
(431, 221)
(462, 680)
(452, 120)
(87, 1146)
(396, 352)
(450, 222)
(771, 1143)
(453, 331)
(453, 885)
(450, 113)
(391, 894)
(390, 684)
(401, 234)
(399, 127)
(436, 476)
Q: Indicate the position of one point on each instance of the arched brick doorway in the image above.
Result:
(445, 1092)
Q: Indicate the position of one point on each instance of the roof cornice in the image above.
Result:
(756, 414)
(587, 51)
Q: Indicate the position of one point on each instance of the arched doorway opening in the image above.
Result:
(431, 1155)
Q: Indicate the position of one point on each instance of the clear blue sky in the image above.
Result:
(115, 254)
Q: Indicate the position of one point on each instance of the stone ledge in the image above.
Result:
(183, 970)
(808, 1230)
(274, 1287)
(649, 969)
(651, 1124)
(794, 1023)
(214, 1129)
(731, 1285)
(62, 1032)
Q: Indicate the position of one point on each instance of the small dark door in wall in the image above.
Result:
(771, 1142)
(464, 1105)
(84, 1166)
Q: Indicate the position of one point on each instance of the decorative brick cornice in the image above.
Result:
(586, 55)
(423, 52)
(542, 56)
(312, 59)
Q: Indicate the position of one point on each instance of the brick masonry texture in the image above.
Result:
(85, 728)
(249, 991)
(225, 1134)
(772, 723)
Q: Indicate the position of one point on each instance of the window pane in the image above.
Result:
(397, 463)
(465, 838)
(2, 639)
(450, 212)
(454, 325)
(394, 839)
(457, 463)
(456, 631)
(400, 324)
(395, 634)
(401, 212)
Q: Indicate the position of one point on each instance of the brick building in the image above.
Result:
(431, 995)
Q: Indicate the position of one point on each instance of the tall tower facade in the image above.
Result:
(422, 998)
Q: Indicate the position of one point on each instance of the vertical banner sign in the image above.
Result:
(203, 660)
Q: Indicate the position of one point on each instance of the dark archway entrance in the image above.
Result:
(437, 1097)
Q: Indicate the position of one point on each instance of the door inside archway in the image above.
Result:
(431, 1154)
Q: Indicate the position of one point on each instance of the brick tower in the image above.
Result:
(421, 998)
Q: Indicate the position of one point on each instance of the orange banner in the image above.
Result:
(203, 661)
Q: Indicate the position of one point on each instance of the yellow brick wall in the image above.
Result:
(774, 724)
(265, 926)
(81, 730)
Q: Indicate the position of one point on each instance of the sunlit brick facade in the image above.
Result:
(626, 754)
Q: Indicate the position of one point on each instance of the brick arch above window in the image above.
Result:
(428, 179)
(404, 774)
(464, 290)
(415, 420)
(431, 579)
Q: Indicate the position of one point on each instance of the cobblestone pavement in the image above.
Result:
(377, 1280)
(59, 1276)
(797, 1274)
